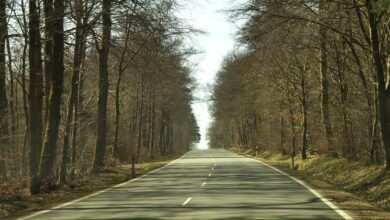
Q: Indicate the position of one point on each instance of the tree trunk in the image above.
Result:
(140, 122)
(152, 126)
(117, 114)
(56, 82)
(78, 67)
(282, 129)
(134, 125)
(35, 95)
(77, 61)
(304, 120)
(101, 132)
(162, 133)
(383, 90)
(76, 124)
(294, 139)
(49, 59)
(375, 154)
(4, 139)
(24, 91)
(148, 124)
(324, 80)
(171, 137)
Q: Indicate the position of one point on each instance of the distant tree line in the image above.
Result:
(82, 81)
(313, 77)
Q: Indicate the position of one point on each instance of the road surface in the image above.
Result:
(203, 184)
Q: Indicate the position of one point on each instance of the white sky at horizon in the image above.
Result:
(217, 41)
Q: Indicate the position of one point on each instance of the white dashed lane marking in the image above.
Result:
(187, 201)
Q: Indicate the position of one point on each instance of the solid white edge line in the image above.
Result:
(99, 192)
(187, 201)
(322, 198)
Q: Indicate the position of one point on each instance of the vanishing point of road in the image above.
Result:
(203, 184)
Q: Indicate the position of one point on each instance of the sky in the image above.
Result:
(214, 44)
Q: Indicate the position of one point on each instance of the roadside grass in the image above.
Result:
(16, 201)
(362, 189)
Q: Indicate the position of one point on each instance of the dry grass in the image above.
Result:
(360, 188)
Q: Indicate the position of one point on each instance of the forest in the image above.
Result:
(311, 77)
(87, 82)
(98, 109)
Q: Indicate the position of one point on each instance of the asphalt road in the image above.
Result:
(204, 184)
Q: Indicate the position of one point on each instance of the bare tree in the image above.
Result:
(103, 51)
(35, 95)
(56, 82)
(3, 96)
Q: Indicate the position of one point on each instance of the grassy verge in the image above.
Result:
(16, 201)
(362, 189)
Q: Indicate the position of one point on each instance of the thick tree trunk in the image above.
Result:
(35, 95)
(304, 120)
(4, 139)
(324, 80)
(56, 82)
(101, 132)
(65, 147)
(49, 59)
(375, 151)
(383, 90)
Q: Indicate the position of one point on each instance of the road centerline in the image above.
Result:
(187, 201)
(240, 184)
